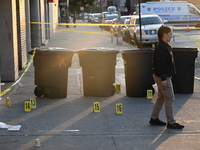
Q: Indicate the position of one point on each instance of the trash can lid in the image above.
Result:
(99, 49)
(53, 49)
(185, 49)
(137, 51)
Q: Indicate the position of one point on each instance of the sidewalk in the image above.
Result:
(71, 124)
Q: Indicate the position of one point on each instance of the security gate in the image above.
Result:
(21, 25)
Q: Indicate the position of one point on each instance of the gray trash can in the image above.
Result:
(51, 71)
(98, 68)
(184, 58)
(138, 72)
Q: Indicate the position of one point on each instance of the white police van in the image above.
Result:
(174, 12)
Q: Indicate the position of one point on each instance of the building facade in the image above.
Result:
(19, 34)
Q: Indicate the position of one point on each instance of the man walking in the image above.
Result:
(164, 69)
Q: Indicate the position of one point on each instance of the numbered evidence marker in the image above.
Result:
(8, 103)
(27, 106)
(33, 102)
(118, 88)
(96, 107)
(119, 109)
(149, 94)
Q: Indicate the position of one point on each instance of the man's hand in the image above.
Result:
(164, 84)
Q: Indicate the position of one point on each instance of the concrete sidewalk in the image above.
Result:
(71, 124)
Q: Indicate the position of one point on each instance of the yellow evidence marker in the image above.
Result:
(118, 88)
(149, 94)
(96, 107)
(74, 57)
(27, 106)
(33, 102)
(8, 103)
(119, 109)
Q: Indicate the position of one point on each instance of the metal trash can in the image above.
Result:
(138, 72)
(51, 71)
(184, 58)
(98, 68)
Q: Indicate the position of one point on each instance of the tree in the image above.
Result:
(74, 5)
(130, 8)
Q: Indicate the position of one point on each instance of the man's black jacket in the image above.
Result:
(163, 61)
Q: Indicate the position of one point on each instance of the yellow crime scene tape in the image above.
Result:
(79, 31)
(196, 40)
(87, 24)
(78, 24)
(25, 70)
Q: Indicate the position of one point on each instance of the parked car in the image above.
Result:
(90, 17)
(124, 30)
(108, 20)
(85, 16)
(103, 15)
(95, 18)
(149, 26)
(115, 27)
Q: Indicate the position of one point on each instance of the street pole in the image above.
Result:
(119, 10)
(101, 4)
(119, 36)
(67, 14)
(67, 3)
(140, 21)
(35, 28)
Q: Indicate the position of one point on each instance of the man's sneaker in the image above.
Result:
(174, 126)
(157, 122)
